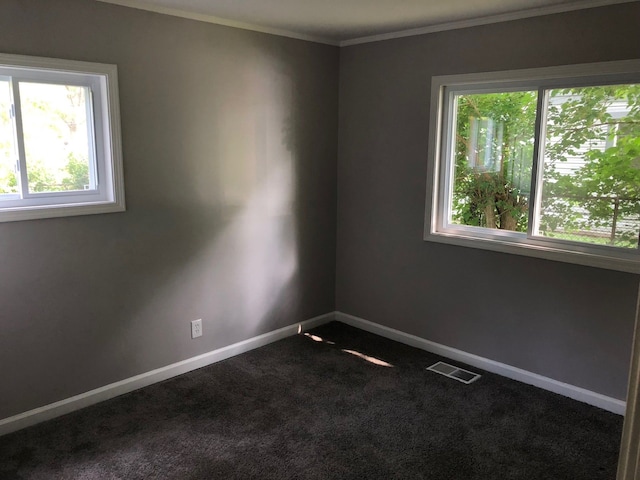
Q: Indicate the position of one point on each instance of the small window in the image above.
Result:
(541, 162)
(60, 150)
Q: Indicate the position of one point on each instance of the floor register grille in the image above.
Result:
(459, 374)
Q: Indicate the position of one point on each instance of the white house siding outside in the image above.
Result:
(573, 163)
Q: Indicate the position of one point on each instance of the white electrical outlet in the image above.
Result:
(196, 328)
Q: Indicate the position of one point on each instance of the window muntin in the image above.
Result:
(479, 148)
(60, 148)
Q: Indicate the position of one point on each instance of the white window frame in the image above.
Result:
(437, 229)
(103, 119)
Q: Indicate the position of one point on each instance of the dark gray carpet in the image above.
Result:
(305, 409)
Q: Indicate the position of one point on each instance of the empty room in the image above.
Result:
(319, 240)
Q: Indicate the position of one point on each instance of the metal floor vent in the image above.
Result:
(460, 374)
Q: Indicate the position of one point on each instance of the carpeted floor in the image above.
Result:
(303, 408)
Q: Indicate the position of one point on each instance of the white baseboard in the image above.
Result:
(62, 407)
(582, 395)
(53, 410)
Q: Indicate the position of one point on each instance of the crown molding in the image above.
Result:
(201, 17)
(474, 22)
(440, 27)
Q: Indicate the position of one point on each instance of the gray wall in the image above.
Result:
(230, 142)
(567, 322)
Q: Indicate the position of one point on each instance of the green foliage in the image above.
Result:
(8, 180)
(77, 174)
(590, 193)
(55, 161)
(41, 179)
(604, 194)
(497, 127)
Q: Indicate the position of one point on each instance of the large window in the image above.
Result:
(60, 148)
(542, 162)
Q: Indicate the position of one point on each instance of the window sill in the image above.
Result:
(53, 211)
(546, 252)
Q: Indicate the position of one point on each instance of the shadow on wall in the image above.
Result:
(217, 227)
(243, 277)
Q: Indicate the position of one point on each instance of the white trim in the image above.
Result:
(8, 60)
(102, 79)
(62, 407)
(202, 17)
(61, 210)
(440, 27)
(77, 402)
(547, 77)
(565, 255)
(440, 158)
(475, 22)
(580, 394)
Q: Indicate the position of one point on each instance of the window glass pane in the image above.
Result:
(493, 155)
(8, 177)
(57, 142)
(591, 174)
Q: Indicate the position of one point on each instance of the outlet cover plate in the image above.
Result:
(196, 328)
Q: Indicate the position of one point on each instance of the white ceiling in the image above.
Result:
(353, 21)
